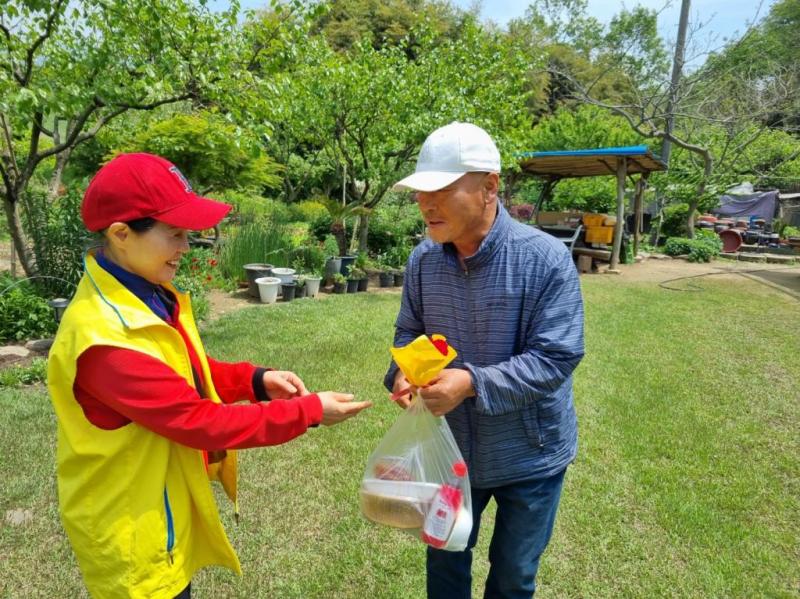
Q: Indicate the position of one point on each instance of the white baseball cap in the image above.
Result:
(449, 153)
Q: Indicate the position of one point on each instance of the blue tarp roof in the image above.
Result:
(590, 162)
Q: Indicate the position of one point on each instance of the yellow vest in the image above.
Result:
(138, 508)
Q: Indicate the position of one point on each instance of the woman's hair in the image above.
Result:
(142, 225)
(139, 225)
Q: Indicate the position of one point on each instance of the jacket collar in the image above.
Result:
(132, 312)
(490, 244)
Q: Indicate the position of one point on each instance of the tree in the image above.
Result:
(367, 111)
(212, 152)
(69, 68)
(693, 113)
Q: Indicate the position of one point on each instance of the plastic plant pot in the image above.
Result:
(363, 284)
(352, 285)
(386, 279)
(254, 271)
(288, 290)
(347, 262)
(268, 288)
(312, 286)
(284, 274)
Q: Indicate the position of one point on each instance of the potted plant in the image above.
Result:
(299, 286)
(312, 285)
(333, 264)
(356, 274)
(385, 274)
(339, 283)
(363, 282)
(399, 276)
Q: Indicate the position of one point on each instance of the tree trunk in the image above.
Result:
(338, 231)
(510, 186)
(677, 71)
(708, 163)
(55, 181)
(20, 244)
(363, 230)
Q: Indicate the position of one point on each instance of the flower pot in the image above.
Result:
(254, 271)
(386, 279)
(398, 278)
(268, 289)
(352, 285)
(731, 240)
(299, 286)
(363, 284)
(340, 287)
(284, 274)
(347, 262)
(288, 291)
(312, 286)
(332, 266)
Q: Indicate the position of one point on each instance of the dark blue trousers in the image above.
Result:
(526, 512)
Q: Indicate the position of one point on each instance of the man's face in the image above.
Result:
(461, 212)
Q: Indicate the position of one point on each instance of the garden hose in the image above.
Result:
(693, 287)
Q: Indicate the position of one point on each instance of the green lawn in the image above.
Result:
(686, 485)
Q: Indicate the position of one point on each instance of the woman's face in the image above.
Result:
(153, 254)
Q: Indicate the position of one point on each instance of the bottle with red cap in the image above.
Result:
(444, 508)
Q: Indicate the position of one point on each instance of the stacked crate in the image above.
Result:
(599, 229)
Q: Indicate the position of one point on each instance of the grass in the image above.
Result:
(686, 483)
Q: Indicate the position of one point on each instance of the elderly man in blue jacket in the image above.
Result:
(507, 297)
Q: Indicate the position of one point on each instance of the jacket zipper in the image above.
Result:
(170, 527)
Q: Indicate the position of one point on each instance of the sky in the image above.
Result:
(721, 19)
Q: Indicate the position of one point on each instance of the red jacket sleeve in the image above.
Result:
(233, 380)
(147, 391)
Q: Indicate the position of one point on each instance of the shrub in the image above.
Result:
(23, 314)
(674, 224)
(203, 264)
(59, 239)
(397, 256)
(702, 249)
(309, 211)
(790, 231)
(198, 294)
(309, 258)
(35, 372)
(330, 247)
(393, 224)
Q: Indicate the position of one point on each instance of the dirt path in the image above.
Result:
(662, 270)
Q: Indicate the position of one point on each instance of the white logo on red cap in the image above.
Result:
(186, 185)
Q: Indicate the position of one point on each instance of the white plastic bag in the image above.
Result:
(416, 480)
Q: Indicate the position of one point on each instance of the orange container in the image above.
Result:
(593, 220)
(599, 234)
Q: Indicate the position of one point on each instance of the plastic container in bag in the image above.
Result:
(410, 482)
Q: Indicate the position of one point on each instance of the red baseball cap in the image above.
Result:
(134, 186)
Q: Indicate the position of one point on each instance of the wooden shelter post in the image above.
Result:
(622, 171)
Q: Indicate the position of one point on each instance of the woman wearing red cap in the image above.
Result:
(145, 417)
